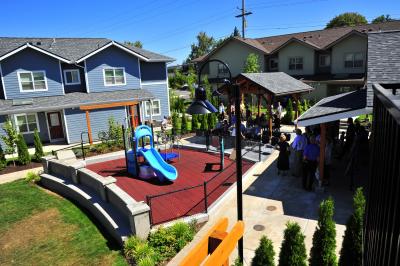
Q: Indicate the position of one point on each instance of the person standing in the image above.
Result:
(279, 110)
(328, 161)
(221, 108)
(284, 152)
(298, 145)
(350, 135)
(311, 157)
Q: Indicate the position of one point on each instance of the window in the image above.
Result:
(72, 77)
(156, 108)
(324, 60)
(222, 69)
(32, 81)
(295, 63)
(353, 60)
(26, 123)
(273, 64)
(114, 76)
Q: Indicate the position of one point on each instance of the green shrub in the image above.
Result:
(189, 126)
(32, 177)
(23, 154)
(300, 107)
(204, 122)
(146, 261)
(212, 120)
(324, 238)
(293, 249)
(351, 252)
(163, 243)
(115, 133)
(237, 262)
(289, 116)
(184, 123)
(137, 250)
(38, 146)
(3, 160)
(264, 253)
(196, 122)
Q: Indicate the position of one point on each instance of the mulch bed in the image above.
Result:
(11, 168)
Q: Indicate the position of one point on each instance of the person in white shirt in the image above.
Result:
(279, 110)
(221, 108)
(298, 145)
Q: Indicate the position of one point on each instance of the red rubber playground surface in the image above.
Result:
(194, 168)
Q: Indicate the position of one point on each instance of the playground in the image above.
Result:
(199, 178)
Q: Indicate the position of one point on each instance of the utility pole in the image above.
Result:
(243, 16)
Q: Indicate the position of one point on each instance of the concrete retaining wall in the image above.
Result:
(92, 191)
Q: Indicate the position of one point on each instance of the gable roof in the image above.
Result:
(318, 39)
(277, 83)
(71, 49)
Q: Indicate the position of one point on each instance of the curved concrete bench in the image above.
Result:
(120, 214)
(113, 223)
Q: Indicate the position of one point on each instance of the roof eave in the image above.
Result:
(27, 45)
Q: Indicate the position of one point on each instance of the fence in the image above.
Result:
(382, 223)
(191, 200)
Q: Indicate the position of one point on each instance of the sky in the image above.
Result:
(170, 26)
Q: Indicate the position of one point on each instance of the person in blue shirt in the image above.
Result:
(298, 145)
(310, 158)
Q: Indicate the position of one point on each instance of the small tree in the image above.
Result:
(184, 123)
(114, 131)
(293, 249)
(23, 154)
(252, 65)
(38, 146)
(351, 252)
(3, 160)
(264, 253)
(324, 238)
(288, 118)
(204, 122)
(347, 19)
(9, 138)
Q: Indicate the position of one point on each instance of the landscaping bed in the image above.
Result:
(11, 168)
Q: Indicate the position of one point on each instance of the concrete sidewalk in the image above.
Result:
(269, 202)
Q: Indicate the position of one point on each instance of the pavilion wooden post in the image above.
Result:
(322, 145)
(259, 104)
(270, 114)
(89, 128)
(296, 112)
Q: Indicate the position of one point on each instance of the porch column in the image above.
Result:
(322, 145)
(132, 114)
(151, 112)
(269, 97)
(89, 128)
(259, 104)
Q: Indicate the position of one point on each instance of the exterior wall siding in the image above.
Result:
(152, 71)
(295, 49)
(76, 120)
(352, 44)
(234, 54)
(74, 88)
(3, 119)
(112, 57)
(160, 92)
(30, 60)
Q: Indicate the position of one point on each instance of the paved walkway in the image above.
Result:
(271, 201)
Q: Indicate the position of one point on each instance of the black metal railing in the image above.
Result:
(185, 202)
(382, 221)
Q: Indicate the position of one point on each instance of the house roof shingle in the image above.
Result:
(319, 39)
(71, 100)
(71, 49)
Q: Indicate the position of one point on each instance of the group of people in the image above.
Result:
(306, 149)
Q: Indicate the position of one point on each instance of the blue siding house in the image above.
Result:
(65, 86)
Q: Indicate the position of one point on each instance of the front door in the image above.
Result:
(55, 125)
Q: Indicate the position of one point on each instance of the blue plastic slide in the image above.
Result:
(160, 167)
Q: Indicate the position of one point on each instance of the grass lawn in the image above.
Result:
(38, 227)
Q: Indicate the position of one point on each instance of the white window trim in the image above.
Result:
(30, 72)
(113, 85)
(295, 63)
(25, 114)
(319, 60)
(354, 53)
(146, 103)
(72, 83)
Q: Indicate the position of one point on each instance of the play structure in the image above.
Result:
(153, 164)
